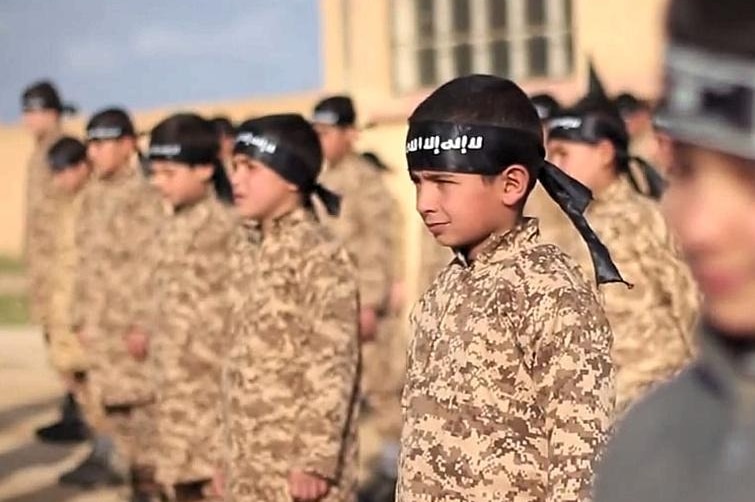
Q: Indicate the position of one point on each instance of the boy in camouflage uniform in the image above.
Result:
(186, 309)
(67, 162)
(120, 212)
(42, 111)
(509, 392)
(652, 321)
(290, 379)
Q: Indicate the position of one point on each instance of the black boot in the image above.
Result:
(144, 488)
(71, 428)
(92, 472)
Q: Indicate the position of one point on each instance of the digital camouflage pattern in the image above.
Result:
(66, 351)
(186, 316)
(365, 226)
(653, 321)
(290, 379)
(509, 392)
(41, 207)
(119, 218)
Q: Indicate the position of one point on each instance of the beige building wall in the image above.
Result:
(623, 36)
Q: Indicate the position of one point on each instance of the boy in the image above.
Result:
(290, 379)
(693, 439)
(652, 321)
(70, 172)
(509, 391)
(366, 222)
(42, 113)
(120, 212)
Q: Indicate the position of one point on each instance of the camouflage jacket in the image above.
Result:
(509, 392)
(67, 354)
(119, 219)
(366, 225)
(652, 321)
(186, 314)
(290, 377)
(41, 207)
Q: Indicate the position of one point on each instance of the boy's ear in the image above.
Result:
(606, 152)
(204, 171)
(513, 183)
(352, 134)
(291, 187)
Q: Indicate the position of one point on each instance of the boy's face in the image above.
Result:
(259, 193)
(179, 183)
(107, 156)
(72, 179)
(710, 205)
(462, 210)
(582, 161)
(40, 122)
(335, 141)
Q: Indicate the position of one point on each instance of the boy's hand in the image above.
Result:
(368, 322)
(217, 487)
(83, 335)
(137, 344)
(397, 297)
(306, 487)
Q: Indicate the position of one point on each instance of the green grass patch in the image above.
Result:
(11, 265)
(14, 309)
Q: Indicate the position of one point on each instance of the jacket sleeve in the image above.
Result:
(573, 375)
(329, 364)
(374, 245)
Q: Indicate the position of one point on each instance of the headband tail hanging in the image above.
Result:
(331, 200)
(573, 197)
(656, 183)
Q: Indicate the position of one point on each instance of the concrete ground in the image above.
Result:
(29, 396)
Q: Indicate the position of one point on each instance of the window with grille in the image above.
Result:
(436, 40)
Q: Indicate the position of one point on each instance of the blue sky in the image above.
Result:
(147, 53)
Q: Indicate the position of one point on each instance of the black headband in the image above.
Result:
(288, 164)
(62, 160)
(588, 129)
(107, 132)
(487, 150)
(35, 102)
(181, 153)
(710, 99)
(466, 148)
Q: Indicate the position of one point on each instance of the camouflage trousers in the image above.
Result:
(65, 350)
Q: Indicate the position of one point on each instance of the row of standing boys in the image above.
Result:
(146, 280)
(235, 351)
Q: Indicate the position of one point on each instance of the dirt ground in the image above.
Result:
(29, 396)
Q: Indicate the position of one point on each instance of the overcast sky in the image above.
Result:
(148, 53)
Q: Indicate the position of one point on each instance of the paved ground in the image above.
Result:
(29, 395)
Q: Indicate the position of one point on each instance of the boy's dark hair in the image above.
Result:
(483, 100)
(336, 111)
(627, 104)
(113, 118)
(66, 153)
(546, 105)
(223, 126)
(375, 161)
(43, 95)
(194, 132)
(295, 133)
(716, 25)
